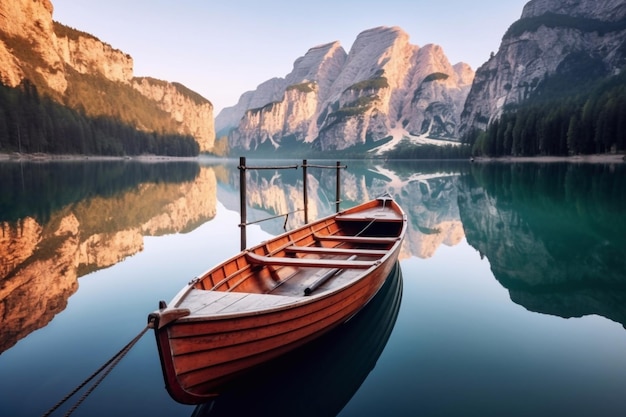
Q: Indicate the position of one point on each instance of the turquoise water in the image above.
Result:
(509, 298)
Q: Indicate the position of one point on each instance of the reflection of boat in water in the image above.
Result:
(320, 378)
(275, 297)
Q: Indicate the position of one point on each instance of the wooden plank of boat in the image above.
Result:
(369, 215)
(205, 303)
(309, 262)
(335, 251)
(357, 239)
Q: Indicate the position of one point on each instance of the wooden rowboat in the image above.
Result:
(274, 297)
(322, 375)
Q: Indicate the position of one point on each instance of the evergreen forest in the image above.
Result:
(407, 150)
(567, 116)
(33, 123)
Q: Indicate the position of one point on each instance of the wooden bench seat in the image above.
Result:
(253, 258)
(374, 213)
(335, 251)
(356, 239)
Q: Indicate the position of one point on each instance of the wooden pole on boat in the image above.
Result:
(242, 200)
(338, 196)
(305, 195)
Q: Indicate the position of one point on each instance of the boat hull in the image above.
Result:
(331, 368)
(201, 352)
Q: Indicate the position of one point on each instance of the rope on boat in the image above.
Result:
(384, 197)
(362, 230)
(107, 368)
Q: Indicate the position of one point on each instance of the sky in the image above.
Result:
(221, 49)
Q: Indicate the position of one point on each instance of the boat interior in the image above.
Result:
(312, 259)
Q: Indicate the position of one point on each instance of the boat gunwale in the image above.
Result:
(180, 297)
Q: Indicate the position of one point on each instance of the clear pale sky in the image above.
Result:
(223, 49)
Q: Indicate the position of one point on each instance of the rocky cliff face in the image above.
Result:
(553, 38)
(88, 55)
(34, 47)
(385, 87)
(31, 22)
(188, 109)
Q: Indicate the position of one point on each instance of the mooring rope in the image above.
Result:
(107, 368)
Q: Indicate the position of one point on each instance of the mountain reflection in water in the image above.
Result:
(320, 378)
(61, 221)
(553, 234)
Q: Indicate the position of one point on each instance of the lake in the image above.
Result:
(509, 298)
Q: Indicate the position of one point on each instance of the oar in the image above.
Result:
(328, 275)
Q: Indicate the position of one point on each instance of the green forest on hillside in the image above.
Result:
(32, 123)
(568, 116)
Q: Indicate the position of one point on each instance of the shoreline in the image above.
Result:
(44, 157)
(594, 158)
(41, 157)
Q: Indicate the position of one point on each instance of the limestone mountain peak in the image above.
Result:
(383, 87)
(553, 39)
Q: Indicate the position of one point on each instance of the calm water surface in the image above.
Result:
(509, 299)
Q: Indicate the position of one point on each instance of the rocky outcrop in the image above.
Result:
(553, 38)
(27, 25)
(191, 111)
(88, 55)
(23, 16)
(267, 92)
(34, 47)
(384, 88)
(11, 73)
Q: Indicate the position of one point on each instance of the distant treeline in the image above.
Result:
(555, 20)
(32, 123)
(407, 150)
(567, 118)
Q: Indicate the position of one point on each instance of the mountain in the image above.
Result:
(79, 71)
(562, 42)
(385, 89)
